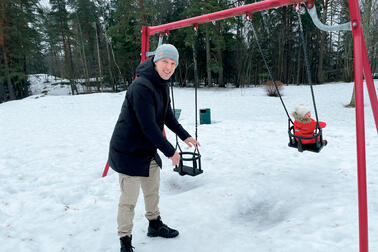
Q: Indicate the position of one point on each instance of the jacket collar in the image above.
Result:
(147, 70)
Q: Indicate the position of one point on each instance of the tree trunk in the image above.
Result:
(348, 47)
(12, 95)
(256, 75)
(110, 64)
(285, 69)
(348, 60)
(220, 66)
(98, 57)
(282, 68)
(23, 46)
(71, 74)
(91, 45)
(82, 55)
(366, 23)
(141, 7)
(115, 62)
(65, 50)
(208, 58)
(374, 62)
(321, 44)
(352, 102)
(2, 9)
(366, 20)
(299, 66)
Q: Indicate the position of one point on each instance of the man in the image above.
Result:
(137, 136)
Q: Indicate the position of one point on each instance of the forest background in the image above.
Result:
(96, 43)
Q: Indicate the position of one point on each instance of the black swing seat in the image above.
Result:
(314, 147)
(189, 170)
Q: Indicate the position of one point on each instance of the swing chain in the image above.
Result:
(299, 9)
(173, 106)
(195, 79)
(308, 69)
(269, 71)
(195, 27)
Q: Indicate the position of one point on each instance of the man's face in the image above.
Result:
(165, 68)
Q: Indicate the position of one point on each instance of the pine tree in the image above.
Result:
(61, 18)
(17, 23)
(87, 33)
(128, 19)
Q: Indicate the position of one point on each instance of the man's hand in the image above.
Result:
(175, 159)
(190, 141)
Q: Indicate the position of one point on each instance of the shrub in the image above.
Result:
(271, 89)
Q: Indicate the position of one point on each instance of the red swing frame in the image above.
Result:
(361, 68)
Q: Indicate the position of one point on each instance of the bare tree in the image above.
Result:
(366, 21)
(3, 19)
(322, 42)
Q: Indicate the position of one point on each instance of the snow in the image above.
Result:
(44, 84)
(45, 3)
(256, 193)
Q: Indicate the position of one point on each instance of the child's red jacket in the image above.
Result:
(306, 129)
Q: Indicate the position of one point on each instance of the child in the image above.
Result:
(304, 125)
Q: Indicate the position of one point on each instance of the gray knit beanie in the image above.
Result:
(166, 51)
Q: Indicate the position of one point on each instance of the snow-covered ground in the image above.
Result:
(44, 84)
(256, 193)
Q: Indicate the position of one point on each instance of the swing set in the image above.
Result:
(361, 69)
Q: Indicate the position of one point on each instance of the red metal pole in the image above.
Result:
(145, 43)
(106, 169)
(249, 8)
(360, 124)
(370, 84)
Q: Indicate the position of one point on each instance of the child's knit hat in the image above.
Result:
(301, 110)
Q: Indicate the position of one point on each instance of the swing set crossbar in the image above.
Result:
(223, 14)
(147, 31)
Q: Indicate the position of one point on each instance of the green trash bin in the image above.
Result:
(177, 113)
(205, 117)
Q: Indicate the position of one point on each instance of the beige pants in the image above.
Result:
(129, 194)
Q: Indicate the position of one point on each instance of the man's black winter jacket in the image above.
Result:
(139, 129)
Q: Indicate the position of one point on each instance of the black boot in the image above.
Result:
(126, 244)
(158, 228)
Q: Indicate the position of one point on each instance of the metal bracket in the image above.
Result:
(160, 39)
(148, 54)
(195, 27)
(161, 36)
(310, 4)
(323, 27)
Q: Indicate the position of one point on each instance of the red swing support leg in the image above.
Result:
(106, 169)
(360, 139)
(370, 84)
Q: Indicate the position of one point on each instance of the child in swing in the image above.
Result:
(304, 125)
